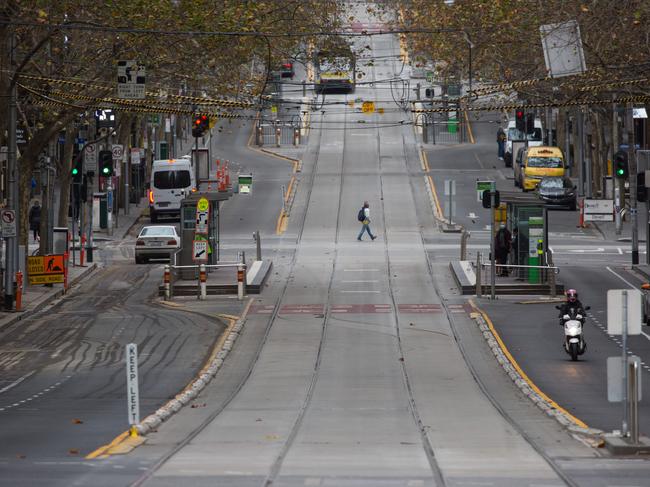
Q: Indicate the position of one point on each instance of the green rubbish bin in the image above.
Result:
(103, 209)
(452, 125)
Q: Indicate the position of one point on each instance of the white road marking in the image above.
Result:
(361, 281)
(376, 292)
(632, 286)
(472, 215)
(16, 382)
(620, 250)
(360, 270)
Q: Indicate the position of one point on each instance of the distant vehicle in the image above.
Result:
(335, 70)
(538, 163)
(512, 133)
(558, 191)
(287, 70)
(156, 242)
(171, 181)
(574, 341)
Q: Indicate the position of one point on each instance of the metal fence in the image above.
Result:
(279, 133)
(442, 128)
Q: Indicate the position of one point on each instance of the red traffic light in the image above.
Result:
(520, 114)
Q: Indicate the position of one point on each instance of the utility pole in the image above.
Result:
(579, 129)
(11, 254)
(631, 157)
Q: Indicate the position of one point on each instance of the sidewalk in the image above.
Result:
(36, 297)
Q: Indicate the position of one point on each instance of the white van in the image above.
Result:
(534, 139)
(171, 181)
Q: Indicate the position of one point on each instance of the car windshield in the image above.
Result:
(172, 179)
(547, 162)
(514, 134)
(158, 232)
(553, 183)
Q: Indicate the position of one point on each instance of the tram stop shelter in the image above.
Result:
(527, 214)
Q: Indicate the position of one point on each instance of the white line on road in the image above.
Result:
(632, 286)
(375, 292)
(16, 382)
(361, 281)
(620, 250)
(360, 270)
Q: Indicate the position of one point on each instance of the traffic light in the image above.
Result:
(200, 125)
(77, 170)
(530, 123)
(486, 199)
(641, 190)
(105, 163)
(621, 170)
(520, 120)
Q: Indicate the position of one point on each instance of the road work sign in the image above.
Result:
(132, 393)
(45, 269)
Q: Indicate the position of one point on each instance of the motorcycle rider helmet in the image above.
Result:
(572, 296)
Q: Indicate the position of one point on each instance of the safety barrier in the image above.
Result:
(278, 133)
(202, 283)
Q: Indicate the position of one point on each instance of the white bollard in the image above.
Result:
(203, 282)
(241, 281)
(167, 282)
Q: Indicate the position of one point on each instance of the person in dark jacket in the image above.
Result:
(502, 245)
(35, 220)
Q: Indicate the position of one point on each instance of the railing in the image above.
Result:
(278, 133)
(442, 128)
(168, 282)
(547, 274)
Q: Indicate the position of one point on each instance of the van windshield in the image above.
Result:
(549, 162)
(171, 179)
(514, 134)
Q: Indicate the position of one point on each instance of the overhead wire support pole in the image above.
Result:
(631, 151)
(11, 253)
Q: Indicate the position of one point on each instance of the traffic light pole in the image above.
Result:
(631, 157)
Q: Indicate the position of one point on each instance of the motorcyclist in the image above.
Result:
(572, 301)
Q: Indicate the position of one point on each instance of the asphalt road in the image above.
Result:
(64, 390)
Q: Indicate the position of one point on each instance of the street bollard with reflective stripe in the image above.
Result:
(167, 282)
(241, 281)
(203, 285)
(19, 291)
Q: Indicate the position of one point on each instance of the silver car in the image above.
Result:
(156, 242)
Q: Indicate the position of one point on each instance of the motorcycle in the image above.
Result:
(574, 342)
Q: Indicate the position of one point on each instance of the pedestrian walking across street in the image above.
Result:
(364, 218)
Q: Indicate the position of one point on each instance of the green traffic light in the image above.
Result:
(75, 171)
(105, 170)
(620, 172)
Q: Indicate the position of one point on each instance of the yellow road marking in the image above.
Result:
(435, 198)
(424, 160)
(523, 375)
(469, 128)
(103, 449)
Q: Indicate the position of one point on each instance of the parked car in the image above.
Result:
(156, 242)
(557, 191)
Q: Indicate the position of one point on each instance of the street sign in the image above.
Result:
(118, 152)
(202, 214)
(21, 136)
(45, 269)
(368, 107)
(135, 156)
(8, 222)
(90, 158)
(200, 250)
(132, 393)
(598, 210)
(245, 182)
(130, 80)
(450, 187)
(615, 377)
(615, 311)
(482, 186)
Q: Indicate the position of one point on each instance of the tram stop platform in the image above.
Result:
(222, 281)
(464, 273)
